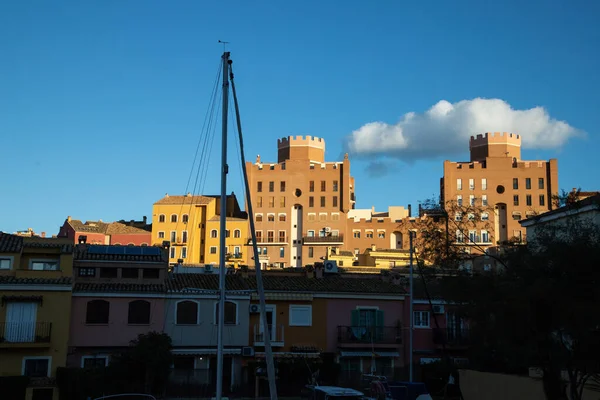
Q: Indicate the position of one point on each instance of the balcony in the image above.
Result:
(269, 240)
(451, 337)
(25, 334)
(323, 239)
(276, 335)
(370, 335)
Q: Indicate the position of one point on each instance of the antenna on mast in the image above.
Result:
(224, 44)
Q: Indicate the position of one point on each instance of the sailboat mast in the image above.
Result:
(223, 226)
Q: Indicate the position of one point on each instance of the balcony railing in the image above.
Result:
(369, 334)
(451, 336)
(25, 332)
(263, 240)
(275, 335)
(323, 239)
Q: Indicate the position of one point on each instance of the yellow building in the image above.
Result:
(35, 309)
(190, 224)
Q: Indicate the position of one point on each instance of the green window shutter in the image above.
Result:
(355, 317)
(379, 325)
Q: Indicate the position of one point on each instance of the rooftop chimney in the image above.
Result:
(145, 219)
(409, 211)
(43, 234)
(69, 218)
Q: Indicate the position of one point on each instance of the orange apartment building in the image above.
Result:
(497, 178)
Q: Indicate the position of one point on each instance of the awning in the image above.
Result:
(285, 296)
(203, 352)
(289, 354)
(369, 354)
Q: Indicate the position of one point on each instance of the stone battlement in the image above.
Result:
(495, 137)
(311, 141)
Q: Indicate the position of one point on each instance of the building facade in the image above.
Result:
(503, 186)
(130, 233)
(35, 310)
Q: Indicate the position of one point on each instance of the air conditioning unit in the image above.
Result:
(254, 309)
(208, 269)
(330, 267)
(438, 309)
(247, 351)
(327, 229)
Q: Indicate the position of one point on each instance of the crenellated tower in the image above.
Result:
(301, 148)
(495, 145)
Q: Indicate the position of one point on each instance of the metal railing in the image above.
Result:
(25, 332)
(451, 336)
(370, 334)
(323, 239)
(275, 332)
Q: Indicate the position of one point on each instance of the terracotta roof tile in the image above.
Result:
(81, 253)
(64, 245)
(179, 282)
(88, 226)
(10, 243)
(196, 199)
(12, 280)
(119, 287)
(119, 228)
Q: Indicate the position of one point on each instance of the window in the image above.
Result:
(173, 217)
(300, 315)
(483, 184)
(527, 183)
(310, 233)
(259, 187)
(281, 217)
(322, 216)
(161, 218)
(460, 238)
(516, 215)
(5, 262)
(271, 202)
(335, 216)
(335, 186)
(151, 273)
(311, 186)
(281, 236)
(311, 201)
(471, 184)
(227, 233)
(186, 313)
(172, 252)
(258, 236)
(282, 186)
(322, 201)
(484, 200)
(173, 236)
(90, 362)
(473, 237)
(213, 249)
(485, 236)
(259, 201)
(366, 317)
(516, 200)
(369, 234)
(471, 200)
(312, 216)
(184, 237)
(334, 201)
(356, 234)
(540, 183)
(515, 183)
(97, 312)
(139, 312)
(282, 252)
(421, 319)
(542, 200)
(184, 218)
(237, 233)
(528, 199)
(36, 367)
(311, 252)
(271, 217)
(230, 313)
(237, 251)
(214, 233)
(129, 273)
(184, 252)
(323, 186)
(161, 235)
(459, 184)
(458, 216)
(381, 234)
(270, 236)
(459, 200)
(485, 216)
(258, 217)
(271, 186)
(87, 272)
(282, 201)
(44, 265)
(108, 272)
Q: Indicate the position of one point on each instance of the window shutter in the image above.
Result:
(379, 324)
(355, 318)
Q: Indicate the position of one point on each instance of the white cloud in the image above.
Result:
(445, 129)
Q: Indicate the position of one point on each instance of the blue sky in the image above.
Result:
(102, 102)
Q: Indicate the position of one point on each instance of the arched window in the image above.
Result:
(281, 217)
(230, 313)
(97, 312)
(184, 218)
(144, 244)
(173, 217)
(187, 313)
(161, 218)
(213, 233)
(259, 218)
(139, 312)
(237, 233)
(271, 217)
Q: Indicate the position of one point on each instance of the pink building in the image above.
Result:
(126, 233)
(119, 293)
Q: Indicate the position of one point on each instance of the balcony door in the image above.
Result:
(271, 320)
(367, 324)
(20, 322)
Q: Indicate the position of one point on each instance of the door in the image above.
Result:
(20, 322)
(271, 321)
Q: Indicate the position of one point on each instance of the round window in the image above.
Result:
(298, 193)
(500, 189)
